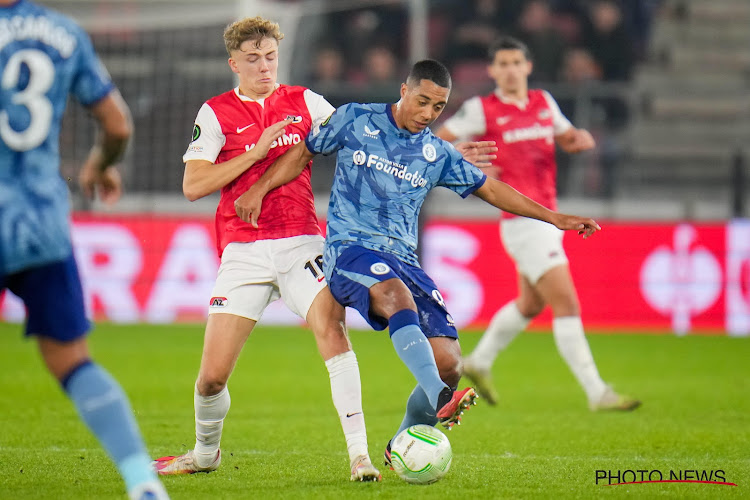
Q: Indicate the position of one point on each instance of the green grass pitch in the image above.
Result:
(282, 438)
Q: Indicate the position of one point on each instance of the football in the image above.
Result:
(421, 454)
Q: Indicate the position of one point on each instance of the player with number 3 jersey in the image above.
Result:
(44, 58)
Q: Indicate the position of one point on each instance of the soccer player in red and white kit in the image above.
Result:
(237, 136)
(525, 125)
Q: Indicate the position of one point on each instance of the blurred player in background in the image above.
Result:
(387, 161)
(44, 57)
(525, 124)
(237, 136)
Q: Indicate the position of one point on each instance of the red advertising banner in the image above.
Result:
(630, 276)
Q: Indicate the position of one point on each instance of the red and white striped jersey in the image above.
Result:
(524, 133)
(230, 124)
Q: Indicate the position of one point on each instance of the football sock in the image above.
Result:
(346, 390)
(572, 344)
(210, 412)
(105, 409)
(415, 351)
(505, 325)
(418, 411)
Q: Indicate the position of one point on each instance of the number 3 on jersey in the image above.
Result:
(33, 97)
(316, 268)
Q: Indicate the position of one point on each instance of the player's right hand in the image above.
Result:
(107, 183)
(479, 153)
(585, 226)
(248, 206)
(267, 138)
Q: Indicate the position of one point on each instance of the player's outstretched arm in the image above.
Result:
(504, 197)
(203, 177)
(286, 168)
(98, 172)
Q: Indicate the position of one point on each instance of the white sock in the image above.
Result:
(210, 412)
(346, 391)
(506, 324)
(574, 348)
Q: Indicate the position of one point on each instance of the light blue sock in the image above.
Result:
(105, 409)
(415, 351)
(418, 411)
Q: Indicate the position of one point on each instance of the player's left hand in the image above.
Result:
(583, 225)
(479, 153)
(582, 140)
(107, 183)
(248, 206)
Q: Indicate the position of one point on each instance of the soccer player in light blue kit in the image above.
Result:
(44, 57)
(387, 161)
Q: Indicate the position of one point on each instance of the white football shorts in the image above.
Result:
(254, 274)
(535, 246)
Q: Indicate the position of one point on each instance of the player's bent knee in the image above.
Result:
(210, 387)
(529, 309)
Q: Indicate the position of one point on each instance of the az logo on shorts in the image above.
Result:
(218, 302)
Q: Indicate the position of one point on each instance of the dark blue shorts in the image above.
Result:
(358, 268)
(53, 297)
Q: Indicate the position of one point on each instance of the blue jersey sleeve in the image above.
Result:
(329, 137)
(458, 174)
(91, 82)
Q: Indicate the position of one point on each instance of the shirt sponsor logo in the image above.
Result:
(196, 132)
(195, 149)
(429, 152)
(371, 133)
(396, 170)
(284, 140)
(532, 133)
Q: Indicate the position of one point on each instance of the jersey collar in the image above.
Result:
(519, 103)
(250, 99)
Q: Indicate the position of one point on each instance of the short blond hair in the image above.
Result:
(250, 28)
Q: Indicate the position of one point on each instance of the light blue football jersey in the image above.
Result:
(383, 174)
(44, 57)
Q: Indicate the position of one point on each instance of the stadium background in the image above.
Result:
(662, 85)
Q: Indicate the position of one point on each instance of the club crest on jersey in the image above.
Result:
(359, 157)
(371, 133)
(544, 114)
(295, 119)
(218, 302)
(429, 152)
(380, 268)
